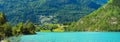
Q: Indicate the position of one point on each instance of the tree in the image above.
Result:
(19, 27)
(50, 27)
(2, 21)
(5, 28)
(2, 18)
(38, 28)
(29, 28)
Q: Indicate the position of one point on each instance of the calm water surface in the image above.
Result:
(71, 37)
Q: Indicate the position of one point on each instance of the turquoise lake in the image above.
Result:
(71, 37)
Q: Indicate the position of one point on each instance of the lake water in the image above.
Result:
(71, 37)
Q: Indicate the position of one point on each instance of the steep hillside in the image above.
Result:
(48, 11)
(106, 18)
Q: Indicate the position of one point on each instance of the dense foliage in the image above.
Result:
(6, 30)
(47, 11)
(106, 18)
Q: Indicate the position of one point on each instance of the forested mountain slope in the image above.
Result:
(48, 11)
(106, 18)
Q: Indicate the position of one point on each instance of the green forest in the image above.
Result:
(27, 28)
(104, 19)
(6, 30)
(47, 11)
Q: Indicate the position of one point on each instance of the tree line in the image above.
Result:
(6, 30)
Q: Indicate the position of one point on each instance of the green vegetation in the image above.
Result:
(104, 19)
(47, 11)
(6, 30)
(52, 28)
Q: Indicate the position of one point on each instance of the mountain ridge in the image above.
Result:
(104, 19)
(39, 11)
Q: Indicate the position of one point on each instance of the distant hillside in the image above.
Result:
(48, 11)
(106, 18)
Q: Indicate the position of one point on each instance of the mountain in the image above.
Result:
(106, 18)
(48, 11)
